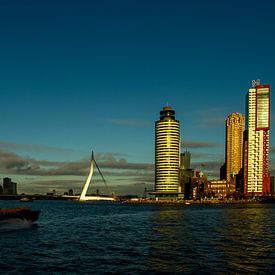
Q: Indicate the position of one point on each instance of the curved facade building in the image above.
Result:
(167, 154)
(234, 144)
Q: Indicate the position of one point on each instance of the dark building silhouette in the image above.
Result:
(272, 185)
(239, 183)
(9, 187)
(186, 174)
(223, 172)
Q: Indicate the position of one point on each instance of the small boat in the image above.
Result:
(17, 214)
(25, 199)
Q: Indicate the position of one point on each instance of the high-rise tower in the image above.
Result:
(234, 144)
(167, 154)
(256, 175)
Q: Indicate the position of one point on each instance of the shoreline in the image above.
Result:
(147, 201)
(190, 202)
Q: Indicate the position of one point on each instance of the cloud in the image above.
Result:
(207, 118)
(118, 161)
(10, 146)
(15, 164)
(198, 144)
(40, 176)
(209, 165)
(130, 122)
(11, 163)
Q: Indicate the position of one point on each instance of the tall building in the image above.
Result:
(185, 160)
(256, 175)
(167, 154)
(234, 144)
(186, 174)
(9, 187)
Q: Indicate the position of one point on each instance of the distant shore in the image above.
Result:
(146, 200)
(33, 197)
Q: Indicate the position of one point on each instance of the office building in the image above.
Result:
(234, 144)
(9, 187)
(219, 188)
(167, 154)
(186, 174)
(198, 185)
(185, 160)
(256, 174)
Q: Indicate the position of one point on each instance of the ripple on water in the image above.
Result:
(116, 238)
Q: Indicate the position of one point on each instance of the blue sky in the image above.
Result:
(77, 76)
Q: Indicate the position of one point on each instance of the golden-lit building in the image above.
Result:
(256, 172)
(234, 144)
(220, 188)
(167, 154)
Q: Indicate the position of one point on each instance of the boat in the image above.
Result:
(83, 195)
(19, 214)
(25, 199)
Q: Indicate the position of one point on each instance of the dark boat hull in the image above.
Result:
(19, 213)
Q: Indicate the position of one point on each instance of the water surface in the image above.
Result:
(95, 238)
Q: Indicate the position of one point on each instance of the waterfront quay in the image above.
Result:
(135, 200)
(187, 202)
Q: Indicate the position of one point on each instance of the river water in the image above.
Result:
(114, 238)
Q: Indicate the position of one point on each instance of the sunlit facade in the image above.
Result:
(234, 144)
(256, 176)
(167, 154)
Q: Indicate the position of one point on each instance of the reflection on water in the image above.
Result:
(15, 224)
(249, 233)
(212, 239)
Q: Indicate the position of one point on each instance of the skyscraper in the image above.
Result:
(186, 175)
(234, 144)
(256, 175)
(167, 154)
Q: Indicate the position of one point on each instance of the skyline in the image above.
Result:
(81, 76)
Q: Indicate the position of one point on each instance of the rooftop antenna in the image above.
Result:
(256, 82)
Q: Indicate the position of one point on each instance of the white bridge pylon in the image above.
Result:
(83, 196)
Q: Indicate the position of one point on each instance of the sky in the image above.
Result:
(78, 75)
